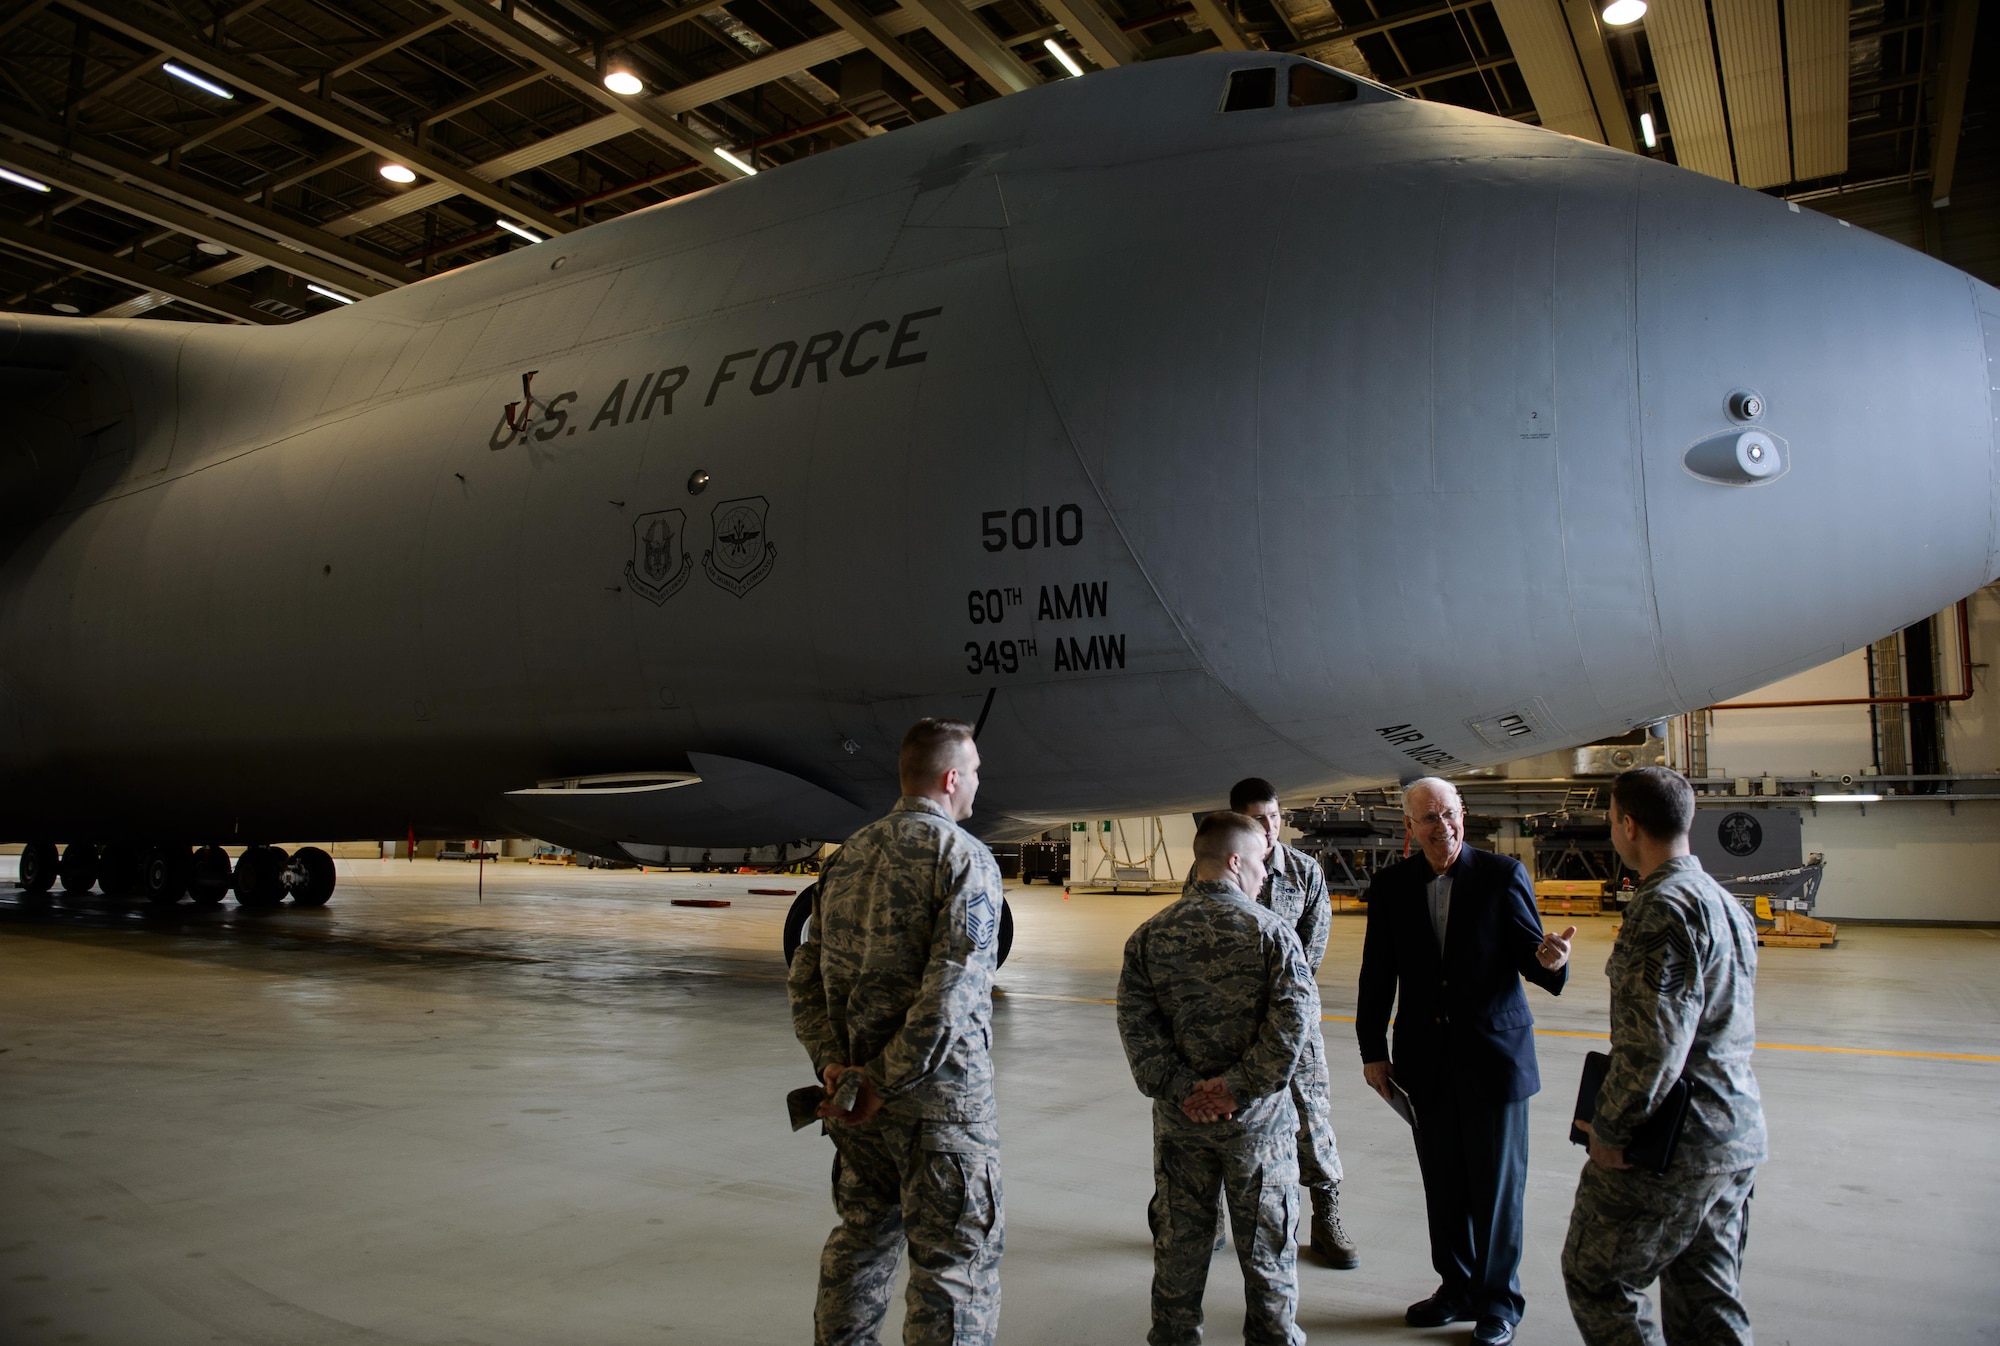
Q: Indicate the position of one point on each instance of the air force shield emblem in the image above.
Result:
(740, 554)
(657, 540)
(982, 919)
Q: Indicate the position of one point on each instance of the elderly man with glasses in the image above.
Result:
(1451, 933)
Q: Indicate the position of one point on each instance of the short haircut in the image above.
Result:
(1222, 835)
(1251, 790)
(931, 748)
(1437, 785)
(1658, 799)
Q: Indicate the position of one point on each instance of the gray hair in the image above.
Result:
(1437, 785)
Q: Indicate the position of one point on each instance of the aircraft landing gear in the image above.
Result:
(310, 877)
(78, 869)
(209, 877)
(118, 871)
(39, 862)
(260, 877)
(163, 875)
(800, 917)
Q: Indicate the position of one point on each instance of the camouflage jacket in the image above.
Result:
(896, 974)
(1295, 888)
(1216, 985)
(1683, 972)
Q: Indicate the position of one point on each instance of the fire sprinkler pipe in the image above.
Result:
(1963, 694)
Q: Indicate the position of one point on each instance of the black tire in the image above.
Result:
(310, 877)
(78, 868)
(163, 875)
(39, 863)
(260, 878)
(798, 918)
(209, 878)
(118, 871)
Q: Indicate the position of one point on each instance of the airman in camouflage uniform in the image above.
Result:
(895, 979)
(1295, 889)
(1215, 1003)
(1682, 976)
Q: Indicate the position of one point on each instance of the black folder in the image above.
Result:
(1654, 1142)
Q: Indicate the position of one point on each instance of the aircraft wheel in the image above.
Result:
(39, 862)
(209, 877)
(78, 868)
(163, 875)
(260, 877)
(797, 919)
(118, 871)
(310, 877)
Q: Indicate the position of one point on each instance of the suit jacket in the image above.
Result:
(1461, 1015)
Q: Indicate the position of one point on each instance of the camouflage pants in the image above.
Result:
(935, 1188)
(1260, 1187)
(1319, 1157)
(1629, 1227)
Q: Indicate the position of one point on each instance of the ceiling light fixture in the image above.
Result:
(334, 295)
(22, 180)
(1846, 799)
(1646, 130)
(71, 309)
(212, 249)
(1621, 12)
(624, 82)
(1063, 58)
(201, 82)
(514, 228)
(736, 161)
(398, 173)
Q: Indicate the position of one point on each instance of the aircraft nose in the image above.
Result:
(1817, 424)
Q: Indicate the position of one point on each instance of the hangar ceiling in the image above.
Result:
(224, 161)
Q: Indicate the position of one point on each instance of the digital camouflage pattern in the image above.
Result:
(896, 977)
(1683, 973)
(1217, 986)
(1257, 1180)
(1295, 890)
(1629, 1227)
(1683, 976)
(936, 1186)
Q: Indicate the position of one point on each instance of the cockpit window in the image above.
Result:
(1251, 89)
(1311, 85)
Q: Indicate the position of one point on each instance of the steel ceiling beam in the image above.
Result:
(1097, 32)
(140, 25)
(249, 230)
(521, 41)
(1954, 70)
(973, 42)
(1222, 23)
(863, 26)
(52, 247)
(1614, 116)
(1545, 50)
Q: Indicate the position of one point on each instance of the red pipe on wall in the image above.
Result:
(1963, 694)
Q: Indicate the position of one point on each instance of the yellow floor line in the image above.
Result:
(1601, 1037)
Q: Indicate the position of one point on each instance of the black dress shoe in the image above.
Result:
(1436, 1311)
(1491, 1331)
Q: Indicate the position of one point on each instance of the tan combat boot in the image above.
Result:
(1329, 1240)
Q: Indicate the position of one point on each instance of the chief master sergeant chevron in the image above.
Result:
(1214, 1005)
(895, 979)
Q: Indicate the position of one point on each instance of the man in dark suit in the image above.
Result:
(1451, 933)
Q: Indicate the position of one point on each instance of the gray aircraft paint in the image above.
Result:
(1331, 443)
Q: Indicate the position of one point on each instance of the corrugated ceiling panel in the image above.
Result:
(1753, 78)
(1542, 48)
(1678, 33)
(1816, 59)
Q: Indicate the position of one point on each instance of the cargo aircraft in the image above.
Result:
(1218, 416)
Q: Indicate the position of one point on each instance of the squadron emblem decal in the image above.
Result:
(740, 553)
(656, 538)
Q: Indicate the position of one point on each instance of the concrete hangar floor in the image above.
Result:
(557, 1115)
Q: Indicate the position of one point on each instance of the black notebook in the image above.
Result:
(1656, 1139)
